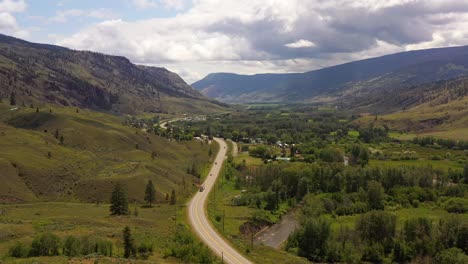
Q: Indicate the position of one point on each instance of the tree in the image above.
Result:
(150, 193)
(377, 227)
(129, 243)
(312, 241)
(418, 233)
(62, 139)
(56, 133)
(173, 197)
(119, 202)
(210, 153)
(153, 155)
(375, 195)
(12, 98)
(37, 109)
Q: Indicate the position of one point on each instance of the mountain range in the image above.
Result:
(40, 73)
(350, 85)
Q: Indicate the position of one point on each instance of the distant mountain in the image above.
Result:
(364, 77)
(40, 73)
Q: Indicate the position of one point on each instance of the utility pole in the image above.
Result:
(224, 216)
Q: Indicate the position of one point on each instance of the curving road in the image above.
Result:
(198, 216)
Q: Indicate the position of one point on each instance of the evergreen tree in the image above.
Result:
(173, 197)
(150, 193)
(129, 243)
(119, 202)
(12, 98)
(61, 139)
(56, 134)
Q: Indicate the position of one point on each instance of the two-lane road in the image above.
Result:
(198, 216)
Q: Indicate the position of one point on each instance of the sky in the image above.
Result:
(196, 37)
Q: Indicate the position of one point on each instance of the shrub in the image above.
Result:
(71, 246)
(145, 250)
(46, 244)
(92, 245)
(373, 253)
(452, 256)
(18, 250)
(456, 205)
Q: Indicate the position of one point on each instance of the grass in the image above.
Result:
(448, 120)
(402, 136)
(155, 225)
(425, 210)
(353, 133)
(249, 160)
(97, 152)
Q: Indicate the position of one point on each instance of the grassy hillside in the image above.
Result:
(440, 118)
(37, 74)
(97, 151)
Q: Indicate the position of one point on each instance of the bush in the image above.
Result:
(373, 253)
(71, 246)
(452, 256)
(456, 205)
(46, 244)
(18, 250)
(187, 249)
(92, 245)
(145, 250)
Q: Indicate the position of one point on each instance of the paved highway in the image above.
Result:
(199, 220)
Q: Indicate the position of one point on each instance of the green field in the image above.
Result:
(153, 225)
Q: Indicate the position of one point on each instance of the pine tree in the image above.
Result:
(150, 193)
(12, 98)
(173, 197)
(61, 139)
(56, 134)
(129, 243)
(119, 202)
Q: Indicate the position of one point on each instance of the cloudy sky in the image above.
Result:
(197, 37)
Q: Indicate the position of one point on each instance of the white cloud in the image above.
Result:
(63, 15)
(144, 3)
(12, 6)
(250, 36)
(302, 43)
(173, 4)
(8, 23)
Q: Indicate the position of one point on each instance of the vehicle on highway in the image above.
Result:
(202, 187)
